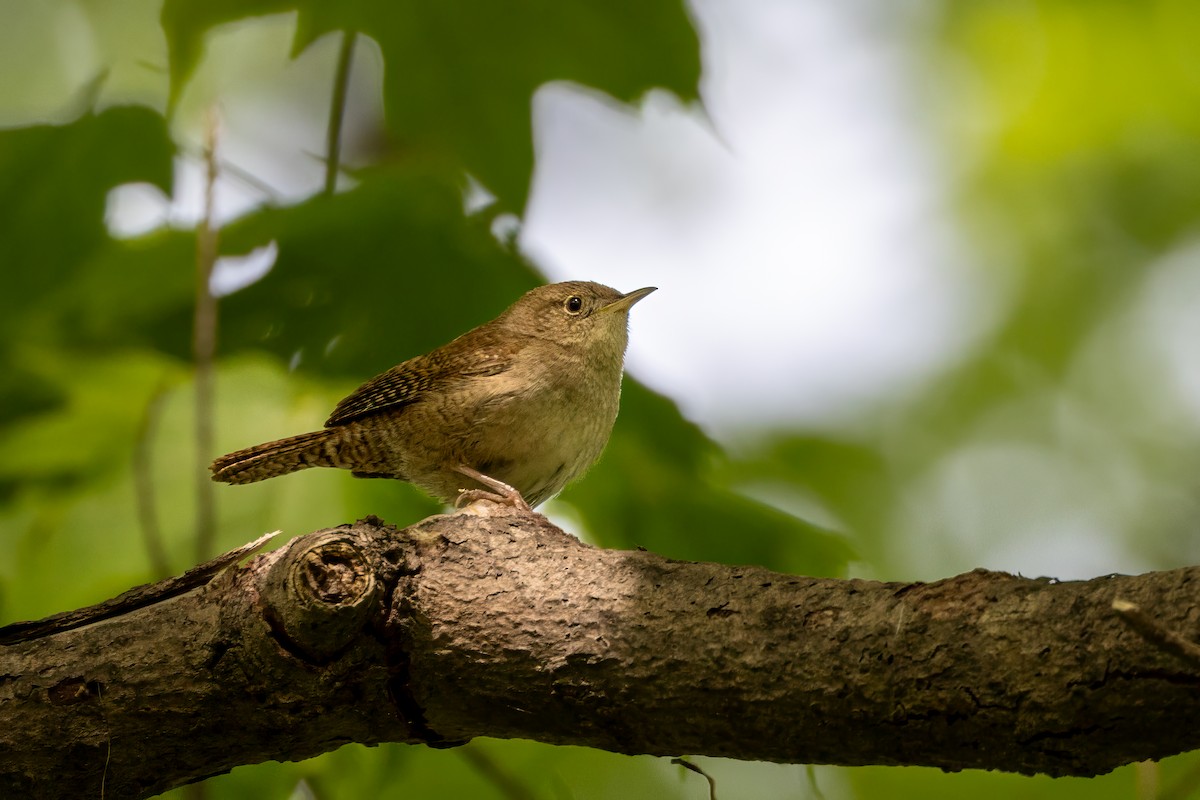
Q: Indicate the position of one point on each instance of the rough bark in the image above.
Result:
(502, 625)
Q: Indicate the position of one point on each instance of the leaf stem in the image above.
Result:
(337, 110)
(143, 476)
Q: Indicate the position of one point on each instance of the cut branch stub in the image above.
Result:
(318, 596)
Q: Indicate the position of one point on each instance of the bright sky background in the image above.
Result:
(797, 230)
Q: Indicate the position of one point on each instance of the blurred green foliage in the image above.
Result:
(1073, 135)
(476, 65)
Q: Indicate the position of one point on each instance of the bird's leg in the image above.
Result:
(500, 492)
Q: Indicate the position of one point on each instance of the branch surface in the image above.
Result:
(499, 624)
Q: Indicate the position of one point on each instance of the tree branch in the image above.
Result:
(501, 625)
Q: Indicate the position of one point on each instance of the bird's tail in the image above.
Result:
(316, 449)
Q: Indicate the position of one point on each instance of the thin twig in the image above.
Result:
(204, 344)
(712, 784)
(1167, 641)
(143, 478)
(1184, 786)
(1146, 776)
(507, 784)
(337, 110)
(230, 170)
(814, 789)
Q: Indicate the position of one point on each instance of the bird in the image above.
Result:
(511, 411)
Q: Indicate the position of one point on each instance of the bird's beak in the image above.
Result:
(626, 301)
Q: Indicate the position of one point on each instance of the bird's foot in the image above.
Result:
(497, 491)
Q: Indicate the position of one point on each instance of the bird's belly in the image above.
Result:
(535, 441)
(538, 445)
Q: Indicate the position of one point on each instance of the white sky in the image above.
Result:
(797, 232)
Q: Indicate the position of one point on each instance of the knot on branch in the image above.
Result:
(320, 594)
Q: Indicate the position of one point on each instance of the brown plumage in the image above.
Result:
(521, 405)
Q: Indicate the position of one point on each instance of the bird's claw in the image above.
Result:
(497, 492)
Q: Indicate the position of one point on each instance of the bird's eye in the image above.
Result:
(574, 304)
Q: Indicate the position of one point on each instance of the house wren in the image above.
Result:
(521, 406)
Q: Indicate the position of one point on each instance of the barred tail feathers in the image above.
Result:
(269, 460)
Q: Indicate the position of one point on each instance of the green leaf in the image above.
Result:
(363, 280)
(370, 277)
(846, 480)
(54, 182)
(459, 75)
(187, 23)
(660, 485)
(95, 430)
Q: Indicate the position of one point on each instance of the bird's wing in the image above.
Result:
(482, 354)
